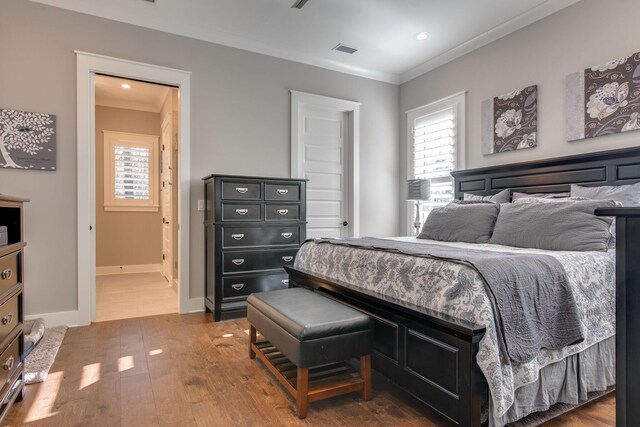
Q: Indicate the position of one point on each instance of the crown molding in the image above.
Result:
(527, 18)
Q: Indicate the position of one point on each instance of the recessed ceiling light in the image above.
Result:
(422, 35)
(126, 86)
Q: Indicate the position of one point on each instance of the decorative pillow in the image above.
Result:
(628, 195)
(502, 197)
(624, 195)
(516, 195)
(558, 226)
(542, 200)
(461, 221)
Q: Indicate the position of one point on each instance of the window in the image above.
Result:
(130, 172)
(435, 148)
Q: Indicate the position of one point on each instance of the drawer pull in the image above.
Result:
(237, 286)
(237, 236)
(242, 190)
(238, 261)
(285, 282)
(282, 191)
(287, 235)
(7, 319)
(287, 258)
(8, 364)
(283, 211)
(242, 211)
(6, 274)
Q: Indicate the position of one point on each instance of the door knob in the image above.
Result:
(345, 223)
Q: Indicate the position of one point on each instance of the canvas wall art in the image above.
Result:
(510, 121)
(27, 140)
(603, 99)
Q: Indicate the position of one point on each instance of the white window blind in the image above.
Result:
(435, 133)
(132, 173)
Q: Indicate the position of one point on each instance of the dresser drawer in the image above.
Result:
(236, 262)
(281, 212)
(242, 286)
(237, 237)
(8, 272)
(10, 359)
(288, 192)
(241, 212)
(8, 316)
(241, 190)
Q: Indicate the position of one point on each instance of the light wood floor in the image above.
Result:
(123, 296)
(175, 370)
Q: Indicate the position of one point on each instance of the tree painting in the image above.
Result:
(27, 140)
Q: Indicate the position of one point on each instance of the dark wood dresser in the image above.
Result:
(254, 227)
(627, 313)
(11, 309)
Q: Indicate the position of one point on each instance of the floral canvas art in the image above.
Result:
(510, 121)
(27, 140)
(604, 99)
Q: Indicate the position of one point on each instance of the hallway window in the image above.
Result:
(131, 173)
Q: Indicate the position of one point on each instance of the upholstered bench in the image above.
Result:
(308, 337)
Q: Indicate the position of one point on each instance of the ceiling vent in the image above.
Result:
(150, 1)
(346, 49)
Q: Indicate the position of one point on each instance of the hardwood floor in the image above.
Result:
(183, 370)
(123, 296)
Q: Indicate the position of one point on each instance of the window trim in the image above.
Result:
(457, 101)
(110, 203)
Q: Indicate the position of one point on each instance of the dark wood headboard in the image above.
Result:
(614, 167)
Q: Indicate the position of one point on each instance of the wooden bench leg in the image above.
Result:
(365, 373)
(302, 392)
(252, 340)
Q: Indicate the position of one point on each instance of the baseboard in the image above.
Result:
(123, 269)
(62, 318)
(196, 305)
(175, 285)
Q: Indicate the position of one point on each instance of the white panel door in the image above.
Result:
(323, 148)
(166, 199)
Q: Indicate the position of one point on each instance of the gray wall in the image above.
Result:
(240, 125)
(585, 34)
(125, 238)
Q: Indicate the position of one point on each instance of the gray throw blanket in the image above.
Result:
(532, 300)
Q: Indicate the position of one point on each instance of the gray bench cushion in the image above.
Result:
(307, 315)
(309, 329)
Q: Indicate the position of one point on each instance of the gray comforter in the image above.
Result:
(533, 302)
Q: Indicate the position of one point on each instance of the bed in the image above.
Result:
(443, 355)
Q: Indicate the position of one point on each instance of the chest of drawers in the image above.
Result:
(253, 228)
(11, 311)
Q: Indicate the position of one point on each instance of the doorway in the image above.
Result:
(136, 146)
(88, 67)
(324, 150)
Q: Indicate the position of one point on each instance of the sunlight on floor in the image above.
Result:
(155, 352)
(125, 363)
(46, 398)
(90, 375)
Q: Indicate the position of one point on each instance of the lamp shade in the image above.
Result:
(418, 189)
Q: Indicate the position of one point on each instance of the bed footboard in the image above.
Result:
(430, 355)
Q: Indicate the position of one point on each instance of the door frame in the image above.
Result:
(87, 65)
(352, 109)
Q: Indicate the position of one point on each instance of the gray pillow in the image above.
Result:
(470, 222)
(502, 197)
(625, 195)
(628, 195)
(516, 195)
(559, 226)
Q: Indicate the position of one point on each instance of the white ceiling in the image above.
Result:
(141, 96)
(382, 30)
